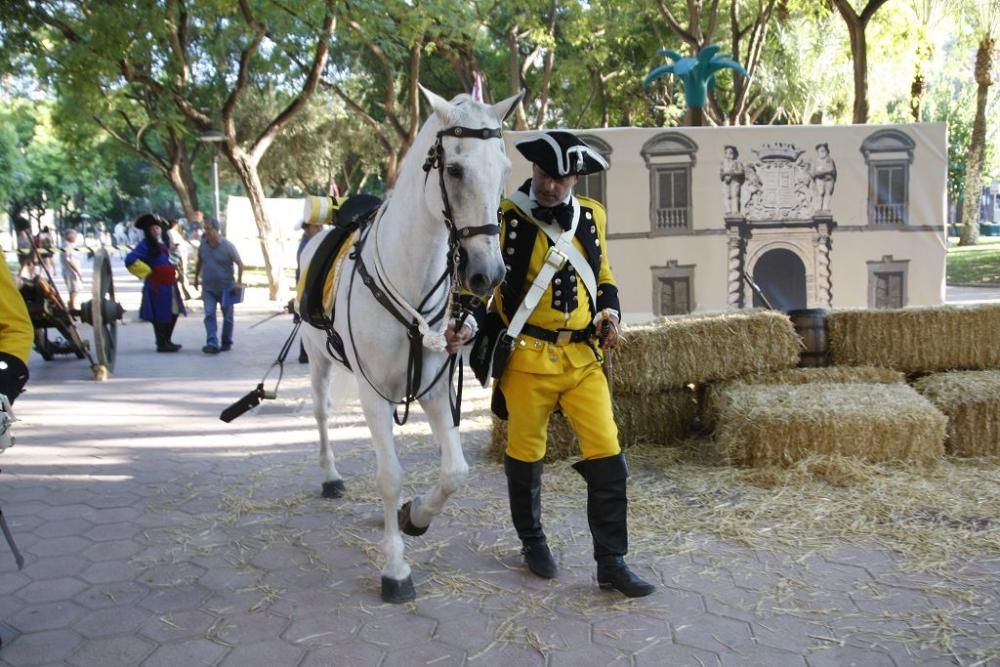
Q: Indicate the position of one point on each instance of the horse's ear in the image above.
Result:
(504, 108)
(440, 105)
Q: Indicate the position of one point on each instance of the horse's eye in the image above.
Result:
(455, 170)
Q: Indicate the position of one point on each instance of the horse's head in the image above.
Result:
(467, 167)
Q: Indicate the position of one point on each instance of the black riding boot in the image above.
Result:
(524, 488)
(607, 514)
(163, 331)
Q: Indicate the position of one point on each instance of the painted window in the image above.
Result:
(595, 186)
(889, 195)
(673, 289)
(889, 289)
(888, 154)
(887, 282)
(670, 158)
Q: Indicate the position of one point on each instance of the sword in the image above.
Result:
(608, 353)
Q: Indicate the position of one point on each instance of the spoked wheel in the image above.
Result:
(103, 314)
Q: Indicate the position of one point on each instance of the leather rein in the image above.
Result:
(417, 321)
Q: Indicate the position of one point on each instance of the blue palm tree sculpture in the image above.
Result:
(697, 73)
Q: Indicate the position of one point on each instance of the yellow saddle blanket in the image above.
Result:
(332, 277)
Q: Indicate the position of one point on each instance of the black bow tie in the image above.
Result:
(561, 214)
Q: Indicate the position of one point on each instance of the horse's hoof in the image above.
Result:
(333, 489)
(395, 591)
(405, 524)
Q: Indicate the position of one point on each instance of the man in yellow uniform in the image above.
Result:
(16, 336)
(558, 306)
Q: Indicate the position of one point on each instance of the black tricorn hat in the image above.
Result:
(147, 219)
(559, 153)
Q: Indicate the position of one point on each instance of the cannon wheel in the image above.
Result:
(104, 315)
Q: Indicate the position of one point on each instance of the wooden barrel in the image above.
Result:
(810, 325)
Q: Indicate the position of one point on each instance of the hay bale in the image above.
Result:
(783, 423)
(971, 399)
(660, 419)
(695, 349)
(917, 340)
(710, 401)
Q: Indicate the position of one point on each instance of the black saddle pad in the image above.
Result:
(311, 303)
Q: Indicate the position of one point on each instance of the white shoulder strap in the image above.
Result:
(554, 233)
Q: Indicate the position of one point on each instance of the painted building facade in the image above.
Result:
(814, 216)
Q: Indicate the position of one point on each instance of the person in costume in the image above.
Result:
(559, 306)
(150, 262)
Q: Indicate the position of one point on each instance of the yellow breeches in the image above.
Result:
(583, 395)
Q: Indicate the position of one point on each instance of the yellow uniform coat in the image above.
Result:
(541, 376)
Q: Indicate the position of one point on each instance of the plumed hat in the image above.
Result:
(560, 154)
(147, 219)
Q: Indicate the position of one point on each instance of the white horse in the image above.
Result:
(439, 225)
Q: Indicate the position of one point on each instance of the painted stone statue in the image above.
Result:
(732, 176)
(824, 174)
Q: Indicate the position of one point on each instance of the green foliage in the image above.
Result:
(975, 265)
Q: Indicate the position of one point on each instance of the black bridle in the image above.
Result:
(436, 159)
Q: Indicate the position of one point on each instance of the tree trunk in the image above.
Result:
(696, 116)
(183, 184)
(977, 144)
(520, 117)
(247, 172)
(859, 49)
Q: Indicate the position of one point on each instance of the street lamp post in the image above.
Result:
(215, 137)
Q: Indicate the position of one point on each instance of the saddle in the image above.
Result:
(357, 212)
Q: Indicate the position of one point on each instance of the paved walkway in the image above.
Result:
(157, 535)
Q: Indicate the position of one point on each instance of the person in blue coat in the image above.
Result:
(161, 299)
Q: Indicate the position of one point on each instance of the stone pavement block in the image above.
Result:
(175, 598)
(101, 596)
(178, 625)
(49, 590)
(789, 633)
(269, 653)
(396, 631)
(345, 654)
(58, 546)
(586, 654)
(59, 566)
(849, 656)
(113, 652)
(63, 528)
(111, 571)
(631, 632)
(112, 531)
(712, 633)
(505, 653)
(13, 581)
(46, 616)
(51, 646)
(438, 655)
(317, 631)
(112, 550)
(115, 515)
(244, 629)
(112, 621)
(473, 632)
(756, 656)
(663, 653)
(194, 653)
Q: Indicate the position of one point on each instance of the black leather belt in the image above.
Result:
(560, 336)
